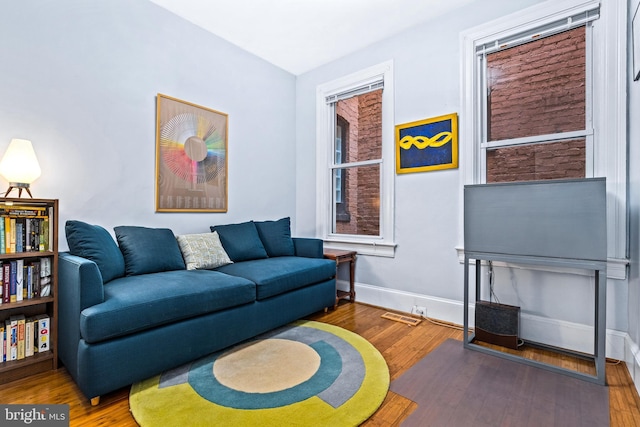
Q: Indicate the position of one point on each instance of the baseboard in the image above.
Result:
(554, 332)
(632, 360)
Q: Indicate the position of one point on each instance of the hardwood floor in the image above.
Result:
(401, 345)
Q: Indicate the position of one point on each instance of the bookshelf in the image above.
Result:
(35, 224)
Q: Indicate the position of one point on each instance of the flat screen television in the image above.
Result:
(554, 219)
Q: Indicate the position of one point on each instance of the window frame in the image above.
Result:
(383, 244)
(586, 133)
(608, 102)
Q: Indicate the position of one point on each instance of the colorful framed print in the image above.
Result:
(427, 145)
(191, 157)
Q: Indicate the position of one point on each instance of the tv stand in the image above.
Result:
(555, 223)
(600, 278)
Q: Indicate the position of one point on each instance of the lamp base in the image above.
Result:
(20, 186)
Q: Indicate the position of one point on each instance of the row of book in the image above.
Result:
(22, 337)
(23, 279)
(25, 229)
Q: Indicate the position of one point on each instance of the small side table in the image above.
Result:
(340, 257)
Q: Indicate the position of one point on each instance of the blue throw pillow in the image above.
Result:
(96, 244)
(276, 237)
(149, 250)
(241, 241)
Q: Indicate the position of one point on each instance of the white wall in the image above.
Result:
(426, 269)
(80, 78)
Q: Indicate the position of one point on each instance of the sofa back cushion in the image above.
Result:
(202, 251)
(276, 237)
(148, 250)
(241, 241)
(96, 244)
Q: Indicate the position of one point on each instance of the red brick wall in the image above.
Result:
(555, 160)
(537, 88)
(362, 185)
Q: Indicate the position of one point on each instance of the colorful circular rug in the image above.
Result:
(304, 374)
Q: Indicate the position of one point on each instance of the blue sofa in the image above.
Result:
(133, 309)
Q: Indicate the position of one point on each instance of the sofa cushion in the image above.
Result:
(202, 251)
(148, 250)
(276, 237)
(136, 303)
(96, 244)
(241, 241)
(274, 276)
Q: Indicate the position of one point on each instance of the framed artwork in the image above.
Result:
(635, 30)
(427, 145)
(191, 157)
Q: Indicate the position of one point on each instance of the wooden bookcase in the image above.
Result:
(36, 305)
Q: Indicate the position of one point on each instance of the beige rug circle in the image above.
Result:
(266, 366)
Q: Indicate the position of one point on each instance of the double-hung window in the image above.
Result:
(355, 162)
(536, 113)
(543, 98)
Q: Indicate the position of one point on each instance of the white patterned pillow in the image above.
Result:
(202, 251)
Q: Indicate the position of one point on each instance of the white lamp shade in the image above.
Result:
(20, 164)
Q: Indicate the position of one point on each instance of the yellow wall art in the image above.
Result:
(427, 145)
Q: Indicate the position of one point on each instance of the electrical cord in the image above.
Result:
(492, 294)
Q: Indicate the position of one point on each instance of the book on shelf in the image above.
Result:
(3, 339)
(43, 332)
(25, 279)
(25, 228)
(6, 279)
(20, 321)
(22, 337)
(13, 281)
(29, 346)
(19, 266)
(11, 328)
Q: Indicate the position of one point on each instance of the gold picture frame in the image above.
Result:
(427, 145)
(191, 157)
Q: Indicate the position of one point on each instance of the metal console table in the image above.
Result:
(550, 223)
(600, 278)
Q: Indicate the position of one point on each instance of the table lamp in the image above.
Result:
(19, 166)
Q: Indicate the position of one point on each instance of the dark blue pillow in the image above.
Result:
(149, 250)
(276, 237)
(241, 241)
(96, 244)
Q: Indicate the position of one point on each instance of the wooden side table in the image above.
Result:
(340, 257)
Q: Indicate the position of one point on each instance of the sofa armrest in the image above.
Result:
(80, 278)
(79, 287)
(308, 247)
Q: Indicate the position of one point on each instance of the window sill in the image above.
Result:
(382, 249)
(616, 268)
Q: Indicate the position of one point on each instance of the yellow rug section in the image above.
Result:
(307, 374)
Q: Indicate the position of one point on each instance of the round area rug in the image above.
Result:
(304, 374)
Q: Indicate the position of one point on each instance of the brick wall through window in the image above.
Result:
(537, 88)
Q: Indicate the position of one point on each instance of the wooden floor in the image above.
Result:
(401, 345)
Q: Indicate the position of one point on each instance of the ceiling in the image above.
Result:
(300, 35)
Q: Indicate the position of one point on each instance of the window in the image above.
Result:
(536, 115)
(355, 162)
(580, 130)
(356, 167)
